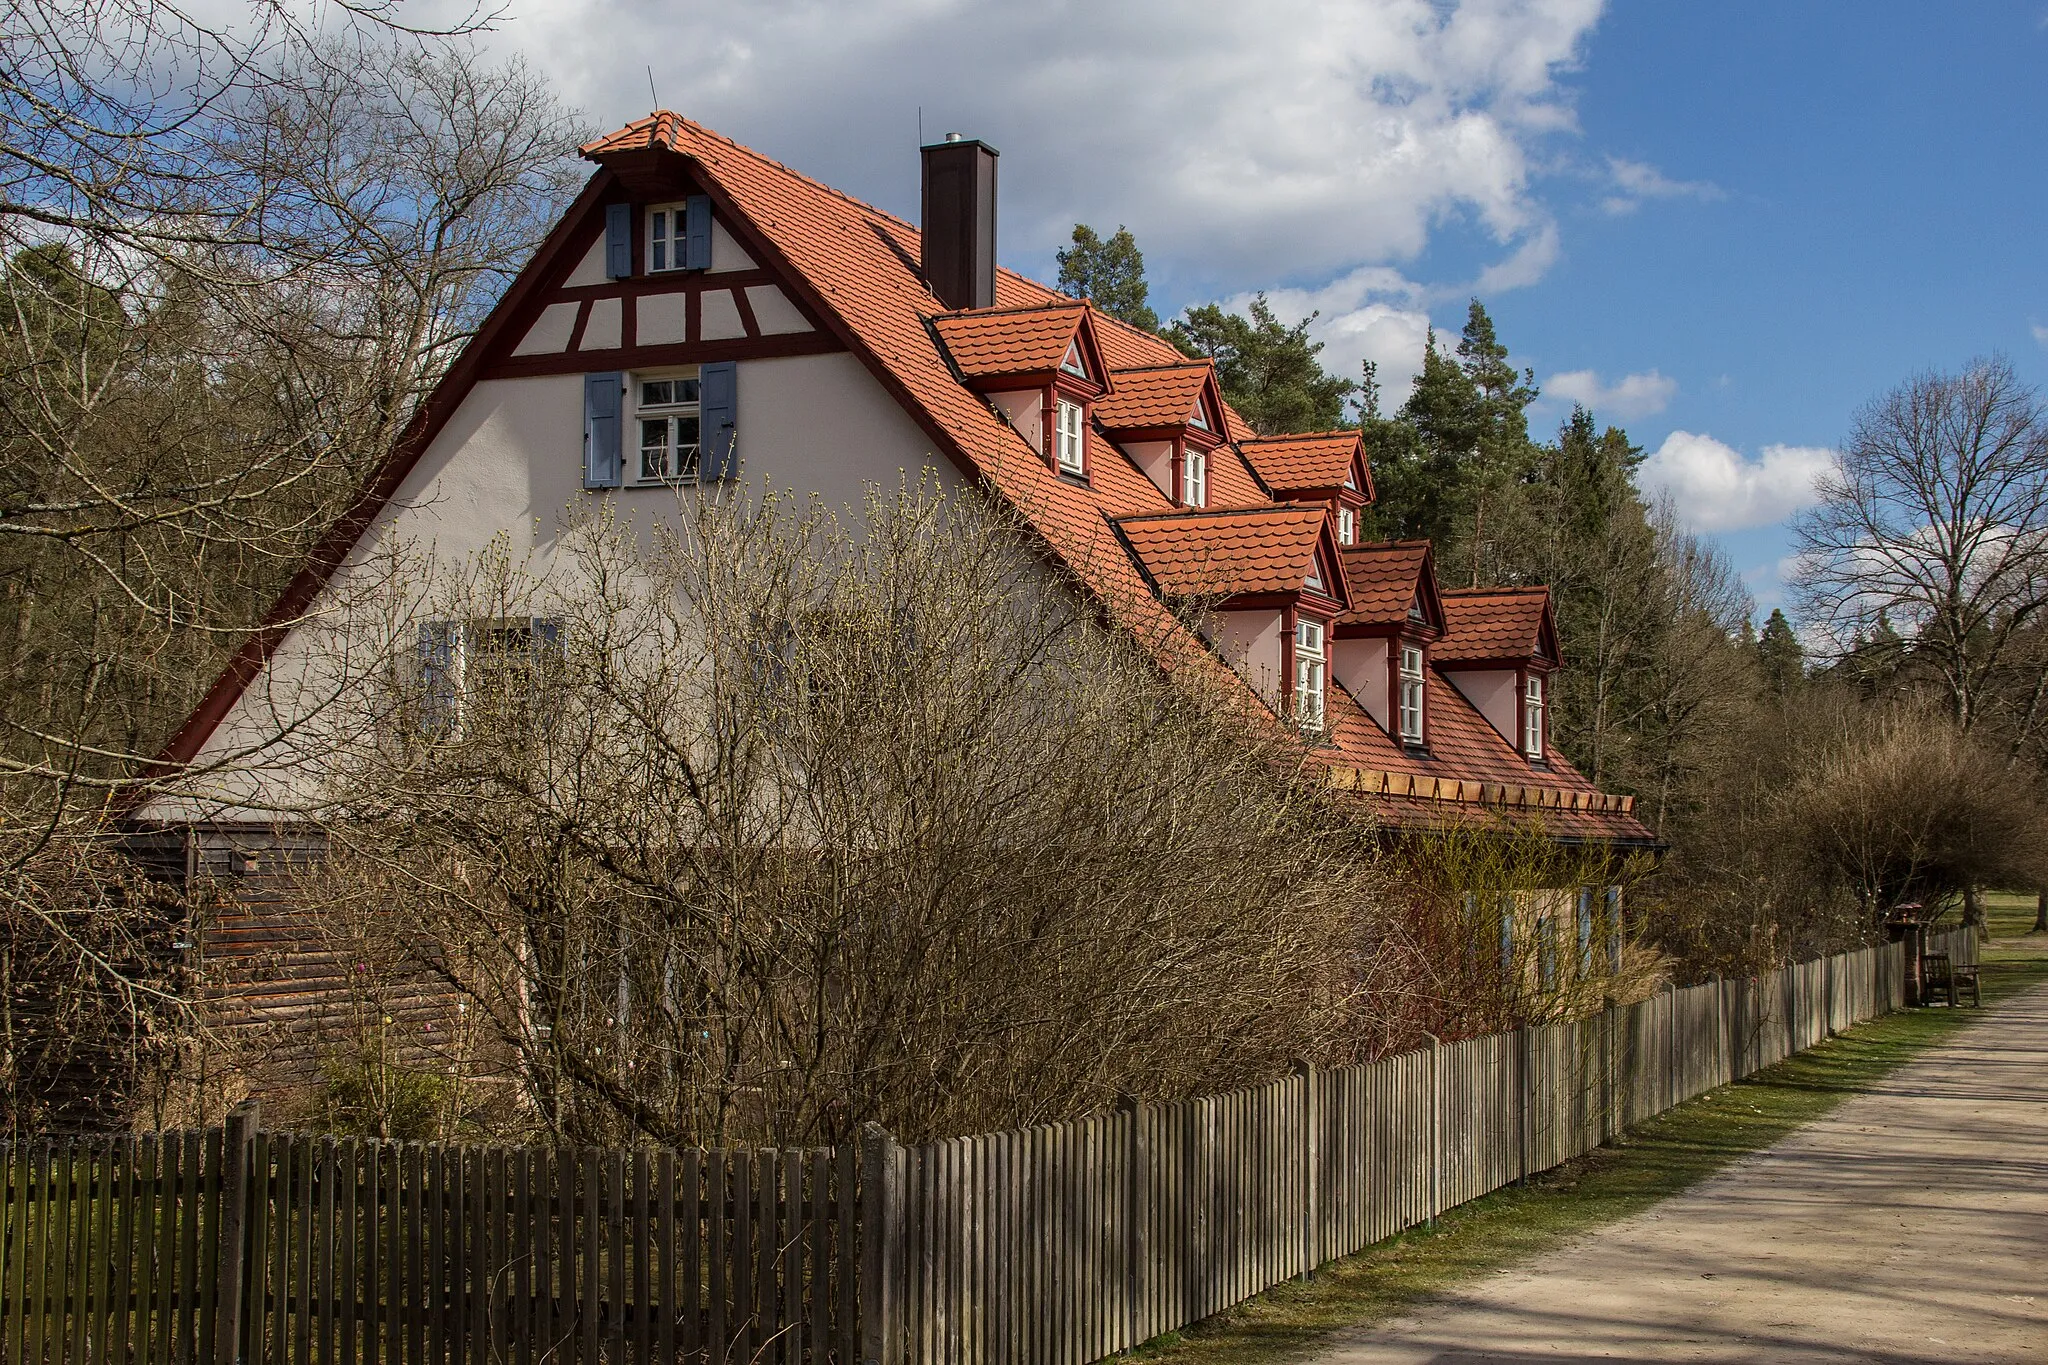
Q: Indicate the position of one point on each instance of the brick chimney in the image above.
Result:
(959, 222)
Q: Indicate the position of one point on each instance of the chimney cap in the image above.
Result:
(959, 140)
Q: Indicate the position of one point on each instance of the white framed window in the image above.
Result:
(1199, 418)
(1194, 478)
(1310, 671)
(1347, 526)
(1411, 694)
(1071, 449)
(667, 225)
(668, 421)
(491, 662)
(1072, 362)
(1532, 716)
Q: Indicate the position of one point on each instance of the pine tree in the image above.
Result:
(1268, 370)
(1779, 654)
(1110, 273)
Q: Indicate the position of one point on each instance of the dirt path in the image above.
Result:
(1911, 1224)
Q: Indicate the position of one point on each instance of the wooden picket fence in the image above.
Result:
(242, 1245)
(1055, 1245)
(1066, 1243)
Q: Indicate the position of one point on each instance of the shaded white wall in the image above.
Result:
(508, 467)
(1492, 693)
(1250, 642)
(1361, 668)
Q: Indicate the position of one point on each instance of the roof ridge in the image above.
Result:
(1387, 545)
(1518, 591)
(995, 310)
(1191, 363)
(1302, 435)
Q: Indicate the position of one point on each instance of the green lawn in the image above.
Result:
(1656, 1161)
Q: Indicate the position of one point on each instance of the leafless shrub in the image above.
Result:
(1910, 808)
(766, 828)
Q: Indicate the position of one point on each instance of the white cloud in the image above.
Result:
(1630, 397)
(1632, 182)
(2041, 334)
(1714, 487)
(1241, 143)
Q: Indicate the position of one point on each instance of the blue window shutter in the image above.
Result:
(697, 232)
(618, 241)
(438, 698)
(719, 389)
(602, 432)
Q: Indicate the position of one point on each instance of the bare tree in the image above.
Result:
(1936, 515)
(765, 828)
(233, 258)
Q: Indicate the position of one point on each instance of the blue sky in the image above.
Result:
(1723, 226)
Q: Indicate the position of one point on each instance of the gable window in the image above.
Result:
(669, 413)
(1532, 716)
(1350, 478)
(1411, 694)
(1071, 450)
(1072, 362)
(1199, 420)
(665, 233)
(1194, 478)
(1309, 673)
(1347, 526)
(1314, 582)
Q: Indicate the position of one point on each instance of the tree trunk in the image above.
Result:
(1973, 911)
(2041, 912)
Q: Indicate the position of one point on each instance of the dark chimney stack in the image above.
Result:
(959, 225)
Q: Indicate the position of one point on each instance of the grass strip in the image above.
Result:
(1657, 1160)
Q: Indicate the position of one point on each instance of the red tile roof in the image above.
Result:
(1383, 580)
(1483, 624)
(1217, 554)
(995, 342)
(1299, 463)
(1163, 396)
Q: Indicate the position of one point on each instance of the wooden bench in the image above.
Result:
(1939, 975)
(1963, 977)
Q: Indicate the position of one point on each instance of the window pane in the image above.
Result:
(656, 392)
(687, 425)
(654, 449)
(686, 390)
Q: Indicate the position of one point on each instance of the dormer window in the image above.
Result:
(1070, 450)
(1310, 667)
(1410, 710)
(1073, 363)
(1532, 716)
(1200, 418)
(1314, 582)
(1347, 526)
(1350, 478)
(1194, 478)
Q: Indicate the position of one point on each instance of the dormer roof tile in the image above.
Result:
(1496, 624)
(1310, 462)
(1223, 554)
